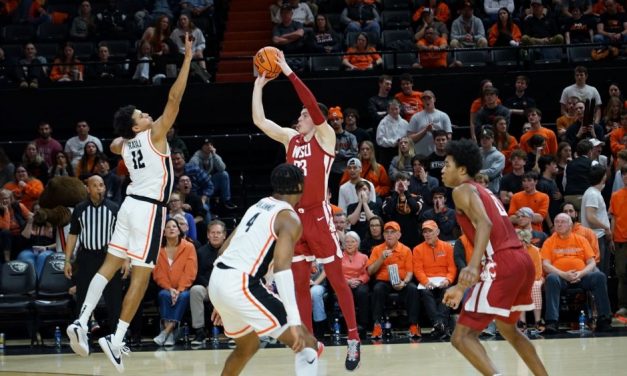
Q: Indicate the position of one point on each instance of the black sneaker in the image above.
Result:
(551, 328)
(352, 355)
(200, 337)
(230, 205)
(439, 331)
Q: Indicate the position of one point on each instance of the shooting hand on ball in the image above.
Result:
(280, 60)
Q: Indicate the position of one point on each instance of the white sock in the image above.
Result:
(96, 287)
(118, 337)
(306, 362)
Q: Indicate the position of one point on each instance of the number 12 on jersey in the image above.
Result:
(138, 159)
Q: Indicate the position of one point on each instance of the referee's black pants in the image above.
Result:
(87, 264)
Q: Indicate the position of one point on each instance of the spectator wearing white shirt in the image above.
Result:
(348, 194)
(391, 128)
(423, 123)
(582, 91)
(75, 146)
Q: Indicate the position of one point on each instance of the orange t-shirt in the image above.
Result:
(571, 253)
(468, 247)
(538, 202)
(442, 13)
(410, 104)
(591, 237)
(433, 59)
(401, 256)
(564, 121)
(476, 105)
(182, 273)
(616, 140)
(8, 221)
(513, 145)
(365, 61)
(534, 253)
(551, 140)
(618, 205)
(27, 195)
(434, 262)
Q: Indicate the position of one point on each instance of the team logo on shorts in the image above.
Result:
(489, 271)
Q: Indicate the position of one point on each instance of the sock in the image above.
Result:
(335, 275)
(120, 331)
(302, 271)
(94, 292)
(306, 362)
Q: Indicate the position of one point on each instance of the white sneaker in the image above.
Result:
(161, 338)
(78, 338)
(113, 352)
(169, 341)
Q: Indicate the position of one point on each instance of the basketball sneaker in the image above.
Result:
(377, 332)
(414, 331)
(78, 338)
(352, 355)
(113, 352)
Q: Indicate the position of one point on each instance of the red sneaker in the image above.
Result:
(414, 331)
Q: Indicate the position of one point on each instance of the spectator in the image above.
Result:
(534, 116)
(568, 260)
(371, 170)
(160, 8)
(467, 30)
(345, 148)
(34, 163)
(86, 164)
(401, 163)
(47, 146)
(324, 39)
(348, 193)
(289, 34)
(198, 294)
(61, 166)
(618, 203)
(582, 230)
(512, 182)
(113, 22)
(438, 8)
(38, 12)
(158, 37)
(13, 217)
(84, 24)
(435, 161)
(391, 129)
(427, 19)
(26, 189)
(174, 273)
(536, 290)
(519, 102)
(374, 235)
(147, 69)
(567, 118)
(106, 69)
(611, 117)
(476, 105)
(420, 183)
(594, 215)
(201, 12)
(66, 67)
(424, 123)
(75, 146)
(490, 109)
(621, 161)
(432, 50)
(301, 13)
(504, 142)
(576, 175)
(442, 215)
(31, 69)
(522, 221)
(378, 104)
(547, 184)
(209, 161)
(612, 26)
(393, 255)
(360, 212)
(435, 270)
(362, 56)
(351, 119)
(113, 183)
(6, 71)
(540, 29)
(410, 100)
(536, 145)
(578, 28)
(39, 242)
(531, 198)
(192, 203)
(564, 156)
(201, 182)
(578, 130)
(504, 32)
(176, 142)
(186, 26)
(583, 91)
(493, 161)
(340, 221)
(317, 289)
(618, 138)
(175, 207)
(354, 267)
(360, 15)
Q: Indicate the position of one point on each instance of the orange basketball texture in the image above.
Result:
(265, 61)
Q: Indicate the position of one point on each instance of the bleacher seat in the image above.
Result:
(548, 55)
(49, 32)
(506, 56)
(118, 48)
(579, 54)
(395, 19)
(399, 60)
(47, 50)
(17, 33)
(17, 288)
(472, 58)
(335, 22)
(53, 302)
(15, 51)
(326, 63)
(395, 4)
(390, 36)
(83, 50)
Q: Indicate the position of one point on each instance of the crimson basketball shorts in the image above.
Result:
(319, 240)
(503, 291)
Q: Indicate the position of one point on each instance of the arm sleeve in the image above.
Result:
(285, 285)
(308, 99)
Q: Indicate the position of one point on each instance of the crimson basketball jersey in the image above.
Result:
(503, 236)
(315, 164)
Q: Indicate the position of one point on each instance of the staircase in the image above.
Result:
(248, 28)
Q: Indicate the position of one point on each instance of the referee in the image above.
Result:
(92, 224)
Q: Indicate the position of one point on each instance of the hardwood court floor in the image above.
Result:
(569, 356)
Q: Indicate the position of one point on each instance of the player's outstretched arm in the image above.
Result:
(116, 145)
(165, 121)
(467, 200)
(270, 128)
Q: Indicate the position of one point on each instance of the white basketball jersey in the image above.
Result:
(151, 172)
(251, 249)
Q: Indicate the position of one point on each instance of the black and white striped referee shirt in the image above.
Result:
(93, 225)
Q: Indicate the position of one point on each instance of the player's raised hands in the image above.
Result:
(280, 60)
(261, 80)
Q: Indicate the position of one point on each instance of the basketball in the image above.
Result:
(265, 61)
